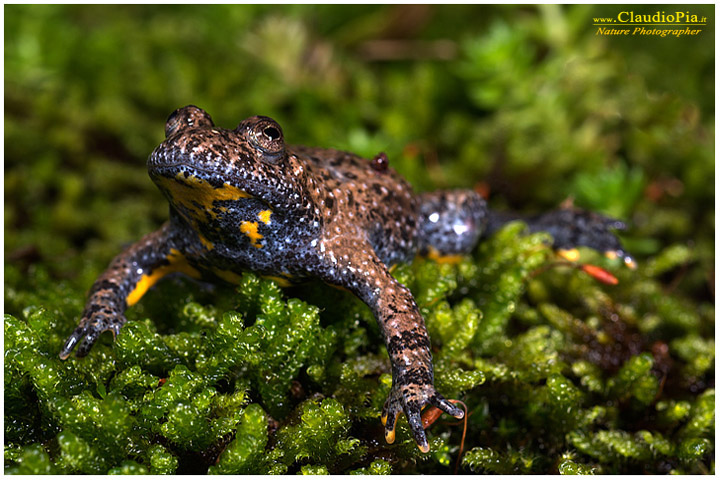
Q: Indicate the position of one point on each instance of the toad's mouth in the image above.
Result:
(196, 196)
(179, 167)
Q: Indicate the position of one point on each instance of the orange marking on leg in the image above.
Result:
(282, 281)
(206, 243)
(435, 255)
(571, 255)
(227, 275)
(178, 263)
(390, 436)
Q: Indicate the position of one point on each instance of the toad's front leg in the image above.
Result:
(356, 267)
(128, 277)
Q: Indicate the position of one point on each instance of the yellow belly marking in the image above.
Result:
(251, 230)
(264, 216)
(571, 255)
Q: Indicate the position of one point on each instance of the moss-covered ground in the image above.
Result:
(560, 373)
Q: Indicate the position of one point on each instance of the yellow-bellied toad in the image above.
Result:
(243, 200)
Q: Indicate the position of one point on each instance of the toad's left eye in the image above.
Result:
(266, 135)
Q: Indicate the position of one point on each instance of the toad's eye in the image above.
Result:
(187, 117)
(272, 133)
(172, 124)
(266, 135)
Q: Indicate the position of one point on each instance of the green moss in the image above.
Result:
(129, 467)
(635, 379)
(377, 467)
(30, 460)
(569, 466)
(162, 462)
(698, 354)
(246, 453)
(314, 470)
(560, 373)
(702, 416)
(490, 461)
(320, 435)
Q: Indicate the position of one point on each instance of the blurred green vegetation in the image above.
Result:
(560, 373)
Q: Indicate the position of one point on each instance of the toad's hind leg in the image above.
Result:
(571, 228)
(451, 222)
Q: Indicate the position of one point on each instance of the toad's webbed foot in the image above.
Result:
(572, 228)
(410, 396)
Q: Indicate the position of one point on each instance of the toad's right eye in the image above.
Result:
(187, 117)
(266, 135)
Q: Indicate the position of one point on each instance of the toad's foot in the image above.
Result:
(89, 330)
(410, 395)
(572, 228)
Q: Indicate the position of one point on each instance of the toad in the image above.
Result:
(241, 199)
